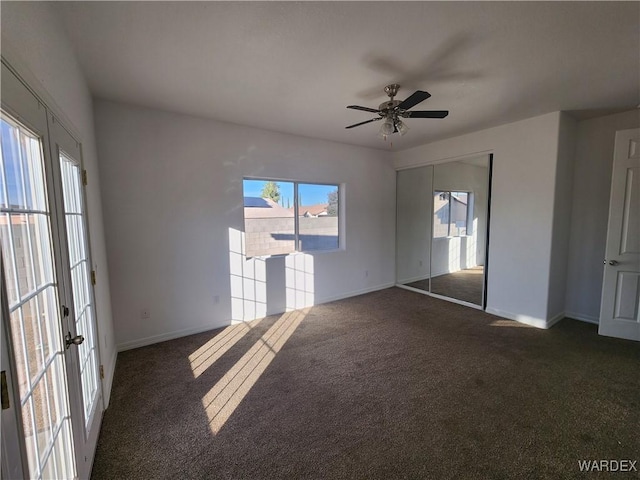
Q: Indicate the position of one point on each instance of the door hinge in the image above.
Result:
(101, 372)
(93, 277)
(4, 391)
(85, 178)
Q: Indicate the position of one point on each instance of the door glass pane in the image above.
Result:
(80, 278)
(25, 234)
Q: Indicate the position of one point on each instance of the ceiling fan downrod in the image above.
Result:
(392, 90)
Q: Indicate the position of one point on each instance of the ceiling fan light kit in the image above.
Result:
(392, 110)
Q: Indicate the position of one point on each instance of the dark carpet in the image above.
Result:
(465, 285)
(392, 384)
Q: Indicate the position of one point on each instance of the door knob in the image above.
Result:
(69, 340)
(613, 262)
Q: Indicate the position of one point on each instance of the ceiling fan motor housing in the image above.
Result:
(386, 107)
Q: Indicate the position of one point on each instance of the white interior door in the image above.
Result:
(620, 308)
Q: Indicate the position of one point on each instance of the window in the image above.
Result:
(450, 213)
(282, 217)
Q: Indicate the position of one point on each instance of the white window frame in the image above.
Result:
(296, 216)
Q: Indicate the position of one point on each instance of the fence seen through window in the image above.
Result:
(282, 217)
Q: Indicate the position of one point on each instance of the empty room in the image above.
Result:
(320, 240)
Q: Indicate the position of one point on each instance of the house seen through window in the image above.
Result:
(282, 217)
(450, 213)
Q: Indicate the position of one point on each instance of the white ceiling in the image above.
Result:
(294, 66)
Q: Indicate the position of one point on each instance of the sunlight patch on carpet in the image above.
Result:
(508, 323)
(215, 348)
(225, 396)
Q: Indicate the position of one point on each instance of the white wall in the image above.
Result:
(35, 45)
(172, 189)
(562, 217)
(522, 207)
(590, 211)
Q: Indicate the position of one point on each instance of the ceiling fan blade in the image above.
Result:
(428, 114)
(364, 109)
(415, 98)
(362, 123)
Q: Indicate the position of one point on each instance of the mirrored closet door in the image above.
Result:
(442, 229)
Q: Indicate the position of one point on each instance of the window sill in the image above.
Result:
(453, 236)
(306, 252)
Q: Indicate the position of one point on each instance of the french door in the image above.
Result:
(50, 329)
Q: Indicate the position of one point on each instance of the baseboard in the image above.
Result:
(108, 382)
(143, 342)
(163, 337)
(410, 288)
(583, 318)
(439, 274)
(354, 293)
(412, 279)
(421, 277)
(527, 320)
(555, 319)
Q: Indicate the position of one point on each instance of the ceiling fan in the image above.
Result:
(391, 111)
